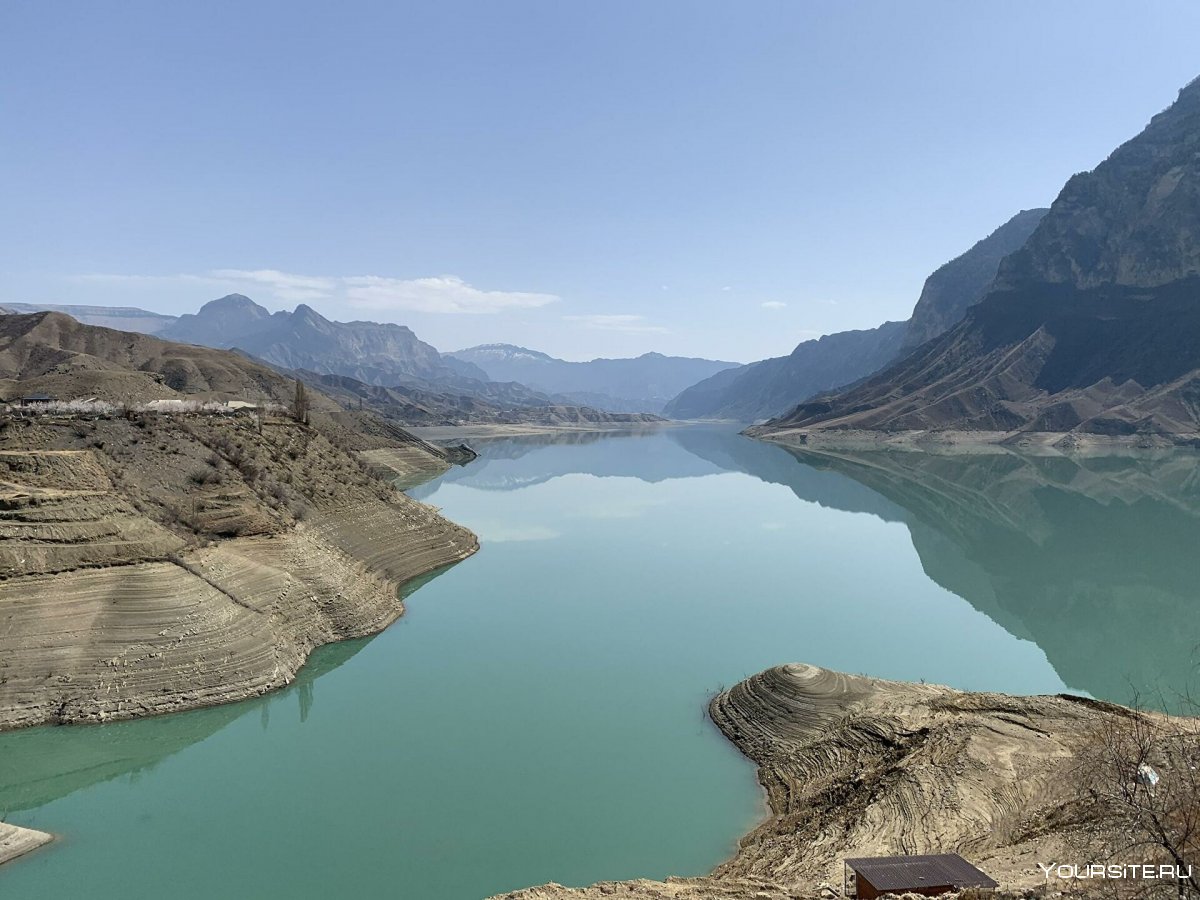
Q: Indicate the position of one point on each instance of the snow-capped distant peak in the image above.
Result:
(509, 352)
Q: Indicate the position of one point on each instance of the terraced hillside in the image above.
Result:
(158, 562)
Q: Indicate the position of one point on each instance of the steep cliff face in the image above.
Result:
(1133, 221)
(1093, 326)
(964, 281)
(773, 386)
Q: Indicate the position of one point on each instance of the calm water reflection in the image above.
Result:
(538, 714)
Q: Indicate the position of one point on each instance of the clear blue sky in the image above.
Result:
(585, 178)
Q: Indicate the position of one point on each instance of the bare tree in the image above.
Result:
(1139, 781)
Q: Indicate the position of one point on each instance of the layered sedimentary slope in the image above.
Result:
(856, 766)
(159, 563)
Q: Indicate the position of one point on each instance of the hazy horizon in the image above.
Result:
(688, 178)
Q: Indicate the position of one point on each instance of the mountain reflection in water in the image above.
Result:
(559, 677)
(1094, 559)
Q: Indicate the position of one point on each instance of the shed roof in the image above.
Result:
(893, 873)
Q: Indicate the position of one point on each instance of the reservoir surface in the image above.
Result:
(538, 714)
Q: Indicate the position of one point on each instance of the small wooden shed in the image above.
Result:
(932, 875)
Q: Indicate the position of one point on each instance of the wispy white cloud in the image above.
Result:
(627, 323)
(377, 293)
(774, 304)
(282, 285)
(445, 294)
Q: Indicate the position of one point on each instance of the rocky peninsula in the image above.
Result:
(159, 563)
(857, 766)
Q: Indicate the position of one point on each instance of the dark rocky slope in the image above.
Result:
(964, 281)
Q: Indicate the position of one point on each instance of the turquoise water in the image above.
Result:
(538, 714)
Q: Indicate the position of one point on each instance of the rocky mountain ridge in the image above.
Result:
(1092, 327)
(372, 352)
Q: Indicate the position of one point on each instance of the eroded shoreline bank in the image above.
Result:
(108, 616)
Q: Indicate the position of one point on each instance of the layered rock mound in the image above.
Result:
(857, 766)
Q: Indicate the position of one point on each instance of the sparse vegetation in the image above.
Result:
(1140, 800)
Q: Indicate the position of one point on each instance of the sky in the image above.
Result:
(587, 178)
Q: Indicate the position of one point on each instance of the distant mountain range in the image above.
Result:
(52, 354)
(371, 352)
(122, 318)
(489, 379)
(1092, 326)
(774, 386)
(642, 384)
(1083, 318)
(382, 368)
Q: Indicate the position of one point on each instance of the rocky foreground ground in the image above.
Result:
(856, 766)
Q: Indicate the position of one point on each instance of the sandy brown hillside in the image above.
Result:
(160, 562)
(154, 561)
(51, 353)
